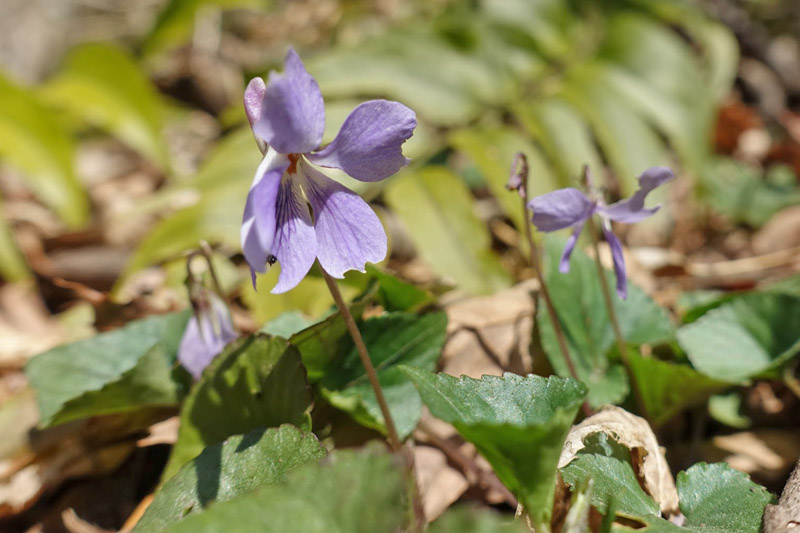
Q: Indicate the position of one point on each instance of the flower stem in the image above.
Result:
(612, 316)
(548, 302)
(358, 340)
(391, 431)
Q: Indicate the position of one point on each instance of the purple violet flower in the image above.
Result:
(287, 116)
(570, 207)
(207, 333)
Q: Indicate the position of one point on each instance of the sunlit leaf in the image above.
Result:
(32, 140)
(437, 208)
(257, 382)
(103, 85)
(392, 340)
(353, 491)
(237, 466)
(506, 418)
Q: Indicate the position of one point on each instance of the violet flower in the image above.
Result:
(287, 116)
(570, 207)
(207, 333)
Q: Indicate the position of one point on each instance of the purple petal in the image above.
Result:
(632, 209)
(206, 337)
(348, 230)
(563, 265)
(295, 241)
(560, 209)
(253, 97)
(619, 263)
(292, 114)
(258, 221)
(369, 145)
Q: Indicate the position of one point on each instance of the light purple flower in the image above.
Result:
(570, 207)
(287, 116)
(207, 333)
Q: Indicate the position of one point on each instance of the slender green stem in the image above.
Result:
(418, 518)
(361, 348)
(548, 302)
(612, 316)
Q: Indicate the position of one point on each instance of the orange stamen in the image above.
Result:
(293, 159)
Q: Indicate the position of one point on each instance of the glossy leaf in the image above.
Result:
(392, 340)
(506, 418)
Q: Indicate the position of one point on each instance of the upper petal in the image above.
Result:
(253, 98)
(560, 209)
(619, 263)
(349, 232)
(259, 221)
(369, 145)
(292, 116)
(295, 242)
(632, 209)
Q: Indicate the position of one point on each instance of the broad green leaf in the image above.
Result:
(629, 143)
(392, 340)
(437, 209)
(715, 497)
(492, 149)
(608, 463)
(175, 21)
(465, 519)
(257, 382)
(518, 423)
(668, 388)
(224, 471)
(32, 140)
(356, 492)
(310, 296)
(287, 324)
(415, 67)
(118, 371)
(579, 304)
(103, 85)
(751, 335)
(564, 134)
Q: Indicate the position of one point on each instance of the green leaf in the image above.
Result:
(286, 324)
(751, 335)
(392, 340)
(668, 388)
(728, 409)
(397, 295)
(417, 68)
(103, 85)
(508, 418)
(492, 149)
(357, 492)
(256, 382)
(466, 519)
(12, 264)
(32, 140)
(224, 471)
(715, 497)
(564, 134)
(114, 372)
(437, 209)
(608, 463)
(579, 304)
(630, 143)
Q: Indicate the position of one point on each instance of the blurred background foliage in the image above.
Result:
(620, 85)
